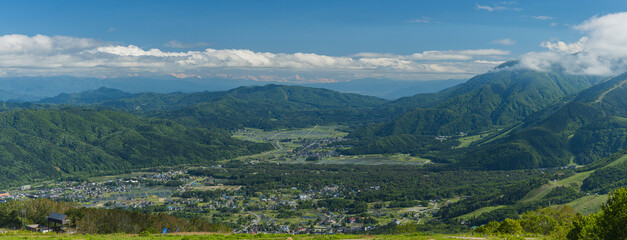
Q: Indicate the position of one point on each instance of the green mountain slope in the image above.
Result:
(269, 106)
(584, 189)
(591, 126)
(46, 144)
(88, 97)
(609, 176)
(493, 100)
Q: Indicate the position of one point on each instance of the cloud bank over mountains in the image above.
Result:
(63, 55)
(602, 51)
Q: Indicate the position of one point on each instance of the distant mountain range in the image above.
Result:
(266, 107)
(536, 120)
(23, 89)
(388, 89)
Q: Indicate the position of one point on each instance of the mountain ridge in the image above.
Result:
(47, 144)
(497, 99)
(583, 128)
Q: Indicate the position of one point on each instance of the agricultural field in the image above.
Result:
(316, 132)
(376, 159)
(315, 145)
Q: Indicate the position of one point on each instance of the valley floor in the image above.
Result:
(265, 193)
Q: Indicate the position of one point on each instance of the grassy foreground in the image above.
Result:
(191, 236)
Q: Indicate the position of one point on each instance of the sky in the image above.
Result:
(306, 41)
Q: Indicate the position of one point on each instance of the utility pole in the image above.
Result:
(23, 218)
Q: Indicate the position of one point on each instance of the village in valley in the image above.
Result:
(178, 191)
(282, 211)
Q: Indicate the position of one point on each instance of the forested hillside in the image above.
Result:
(47, 144)
(488, 101)
(590, 127)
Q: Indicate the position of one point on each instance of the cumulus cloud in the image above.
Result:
(505, 41)
(602, 51)
(55, 55)
(559, 46)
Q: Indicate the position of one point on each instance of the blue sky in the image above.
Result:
(343, 29)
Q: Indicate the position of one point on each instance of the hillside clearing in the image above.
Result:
(588, 204)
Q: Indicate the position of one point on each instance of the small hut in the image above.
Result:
(57, 220)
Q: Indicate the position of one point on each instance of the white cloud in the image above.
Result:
(459, 55)
(39, 44)
(489, 62)
(543, 18)
(184, 75)
(490, 8)
(45, 55)
(602, 51)
(420, 20)
(135, 51)
(607, 35)
(177, 44)
(497, 6)
(505, 41)
(559, 46)
(485, 52)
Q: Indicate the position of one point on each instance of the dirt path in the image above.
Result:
(611, 89)
(311, 130)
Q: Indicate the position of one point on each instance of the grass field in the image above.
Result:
(574, 181)
(588, 204)
(479, 211)
(501, 135)
(114, 177)
(316, 132)
(466, 141)
(591, 203)
(282, 148)
(584, 205)
(618, 161)
(376, 159)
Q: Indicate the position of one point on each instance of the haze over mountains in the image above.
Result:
(25, 89)
(266, 107)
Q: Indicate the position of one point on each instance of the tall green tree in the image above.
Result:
(610, 223)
